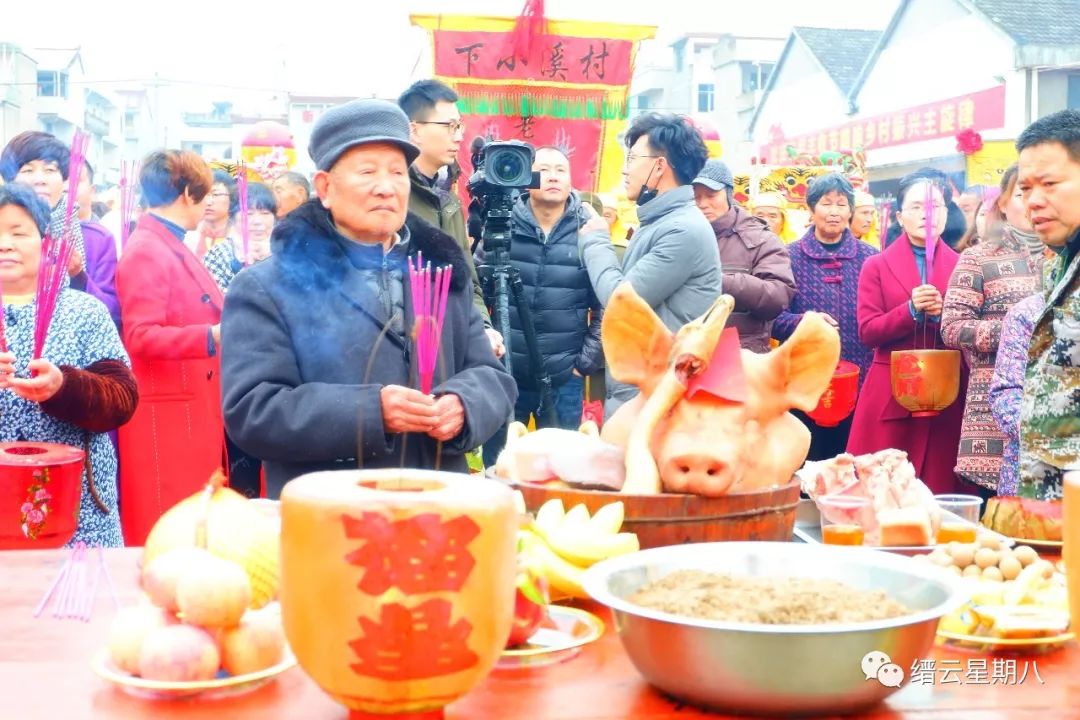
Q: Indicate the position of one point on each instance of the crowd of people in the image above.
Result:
(291, 350)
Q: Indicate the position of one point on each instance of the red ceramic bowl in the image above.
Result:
(40, 490)
(839, 398)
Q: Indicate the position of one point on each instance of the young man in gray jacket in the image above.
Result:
(672, 262)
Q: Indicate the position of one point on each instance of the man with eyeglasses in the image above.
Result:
(436, 128)
(673, 262)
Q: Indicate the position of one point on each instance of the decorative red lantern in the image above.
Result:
(838, 400)
(968, 141)
(705, 125)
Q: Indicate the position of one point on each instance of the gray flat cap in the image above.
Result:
(359, 122)
(715, 175)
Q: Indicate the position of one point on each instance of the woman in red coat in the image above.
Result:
(171, 310)
(899, 308)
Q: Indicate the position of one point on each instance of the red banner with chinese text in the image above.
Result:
(578, 60)
(983, 110)
(570, 92)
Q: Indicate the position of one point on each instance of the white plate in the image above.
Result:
(224, 686)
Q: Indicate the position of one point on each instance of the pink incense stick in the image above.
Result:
(66, 586)
(928, 228)
(88, 606)
(52, 588)
(129, 174)
(242, 191)
(125, 180)
(3, 328)
(76, 576)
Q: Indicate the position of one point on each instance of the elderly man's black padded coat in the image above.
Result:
(311, 335)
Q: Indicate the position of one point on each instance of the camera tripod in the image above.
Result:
(499, 279)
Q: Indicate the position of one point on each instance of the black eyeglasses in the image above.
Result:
(452, 125)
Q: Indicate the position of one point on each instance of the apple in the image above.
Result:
(530, 606)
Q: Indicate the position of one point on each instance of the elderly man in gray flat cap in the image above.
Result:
(319, 371)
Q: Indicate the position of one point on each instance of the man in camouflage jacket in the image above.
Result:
(1050, 411)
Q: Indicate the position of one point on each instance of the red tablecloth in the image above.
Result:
(45, 675)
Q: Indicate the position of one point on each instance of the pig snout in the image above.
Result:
(698, 473)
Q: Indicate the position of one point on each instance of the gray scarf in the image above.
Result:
(1031, 240)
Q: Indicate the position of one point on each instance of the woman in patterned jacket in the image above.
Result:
(224, 260)
(989, 279)
(81, 387)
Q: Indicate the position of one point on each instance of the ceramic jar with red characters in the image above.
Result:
(397, 586)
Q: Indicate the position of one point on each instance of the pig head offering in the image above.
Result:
(711, 420)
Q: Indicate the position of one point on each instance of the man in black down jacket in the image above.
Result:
(559, 295)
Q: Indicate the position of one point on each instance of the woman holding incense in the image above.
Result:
(320, 369)
(170, 310)
(78, 389)
(901, 293)
(224, 260)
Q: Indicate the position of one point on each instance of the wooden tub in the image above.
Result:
(673, 519)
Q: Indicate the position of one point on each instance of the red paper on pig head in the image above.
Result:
(724, 377)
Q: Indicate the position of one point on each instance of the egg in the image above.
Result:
(956, 570)
(1026, 555)
(987, 540)
(963, 555)
(972, 571)
(992, 573)
(1010, 566)
(986, 557)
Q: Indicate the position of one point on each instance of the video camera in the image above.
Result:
(502, 170)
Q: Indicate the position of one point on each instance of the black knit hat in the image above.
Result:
(359, 122)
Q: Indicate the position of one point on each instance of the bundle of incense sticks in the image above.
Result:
(429, 295)
(75, 586)
(242, 191)
(56, 251)
(129, 182)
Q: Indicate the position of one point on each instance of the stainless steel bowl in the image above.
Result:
(774, 669)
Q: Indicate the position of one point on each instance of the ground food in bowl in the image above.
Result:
(765, 600)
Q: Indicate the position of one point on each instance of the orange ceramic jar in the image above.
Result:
(397, 586)
(925, 382)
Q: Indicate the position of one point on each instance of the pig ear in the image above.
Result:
(636, 343)
(807, 360)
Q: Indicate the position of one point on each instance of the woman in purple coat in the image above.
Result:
(826, 263)
(100, 248)
(900, 304)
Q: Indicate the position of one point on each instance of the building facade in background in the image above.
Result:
(941, 68)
